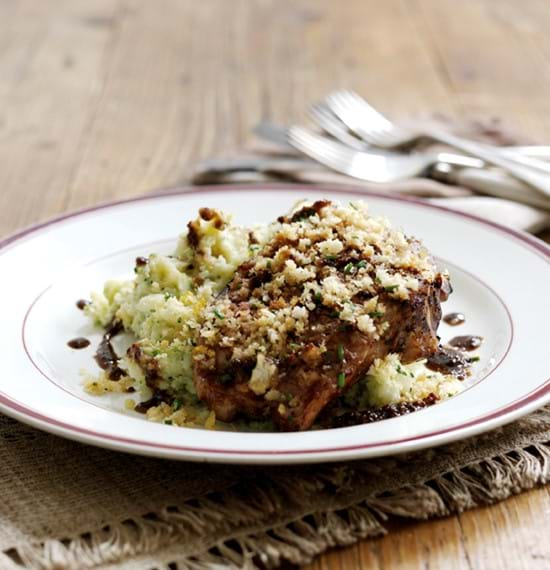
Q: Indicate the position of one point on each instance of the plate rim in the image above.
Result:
(494, 418)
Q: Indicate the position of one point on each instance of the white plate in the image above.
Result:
(501, 281)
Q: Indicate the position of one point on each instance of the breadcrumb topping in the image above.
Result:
(323, 256)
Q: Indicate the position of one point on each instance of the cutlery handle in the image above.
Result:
(536, 180)
(535, 151)
(492, 183)
(520, 158)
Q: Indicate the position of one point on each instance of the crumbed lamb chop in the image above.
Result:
(306, 317)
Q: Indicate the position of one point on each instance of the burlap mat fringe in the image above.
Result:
(276, 519)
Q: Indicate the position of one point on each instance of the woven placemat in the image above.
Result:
(68, 505)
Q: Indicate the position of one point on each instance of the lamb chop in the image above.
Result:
(305, 318)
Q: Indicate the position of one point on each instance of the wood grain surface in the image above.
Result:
(112, 98)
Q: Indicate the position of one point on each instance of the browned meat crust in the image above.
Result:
(310, 379)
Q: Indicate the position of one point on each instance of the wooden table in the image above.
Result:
(111, 98)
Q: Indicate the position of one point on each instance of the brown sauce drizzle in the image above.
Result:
(82, 304)
(79, 342)
(159, 397)
(454, 319)
(357, 417)
(466, 342)
(106, 357)
(449, 361)
(305, 212)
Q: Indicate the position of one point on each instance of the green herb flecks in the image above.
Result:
(218, 314)
(341, 380)
(176, 404)
(391, 288)
(341, 353)
(349, 267)
(375, 314)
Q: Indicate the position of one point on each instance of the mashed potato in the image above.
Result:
(389, 381)
(162, 306)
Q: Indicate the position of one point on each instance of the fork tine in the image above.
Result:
(319, 144)
(371, 166)
(358, 105)
(319, 148)
(349, 112)
(370, 125)
(330, 123)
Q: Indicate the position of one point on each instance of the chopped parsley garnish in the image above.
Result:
(473, 358)
(353, 206)
(361, 264)
(375, 314)
(218, 314)
(268, 264)
(176, 404)
(341, 353)
(341, 380)
(401, 371)
(167, 295)
(168, 422)
(331, 257)
(317, 297)
(391, 288)
(155, 352)
(348, 267)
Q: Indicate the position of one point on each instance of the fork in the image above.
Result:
(373, 165)
(372, 127)
(384, 166)
(375, 129)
